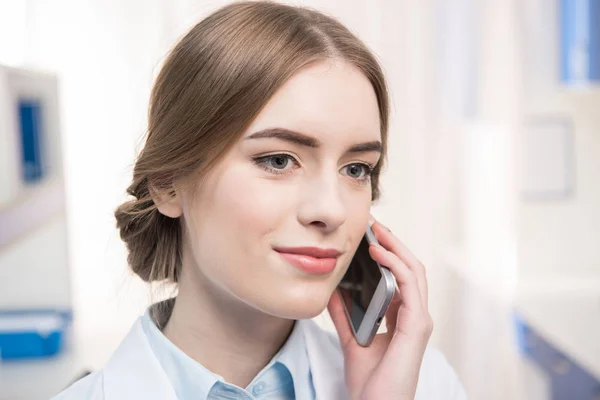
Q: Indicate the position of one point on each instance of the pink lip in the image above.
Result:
(312, 260)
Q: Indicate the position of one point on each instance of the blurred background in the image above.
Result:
(493, 179)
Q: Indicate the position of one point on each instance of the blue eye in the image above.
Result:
(276, 163)
(360, 172)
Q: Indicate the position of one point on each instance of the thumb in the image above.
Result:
(339, 318)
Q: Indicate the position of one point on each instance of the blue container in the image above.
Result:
(580, 41)
(30, 117)
(31, 334)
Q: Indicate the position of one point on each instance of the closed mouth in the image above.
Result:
(315, 252)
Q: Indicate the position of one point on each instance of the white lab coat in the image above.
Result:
(133, 372)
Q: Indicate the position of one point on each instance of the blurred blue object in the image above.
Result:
(580, 41)
(32, 333)
(568, 379)
(30, 114)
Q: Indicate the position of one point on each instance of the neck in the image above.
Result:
(225, 335)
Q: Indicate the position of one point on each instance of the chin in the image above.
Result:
(297, 313)
(299, 304)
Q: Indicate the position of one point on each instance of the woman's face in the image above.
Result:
(298, 177)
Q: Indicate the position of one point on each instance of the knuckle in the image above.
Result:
(426, 326)
(430, 325)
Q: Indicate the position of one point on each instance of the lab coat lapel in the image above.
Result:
(326, 362)
(133, 372)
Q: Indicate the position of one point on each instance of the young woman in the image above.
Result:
(267, 133)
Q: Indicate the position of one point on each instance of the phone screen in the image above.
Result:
(358, 285)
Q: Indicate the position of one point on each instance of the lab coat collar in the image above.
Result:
(133, 372)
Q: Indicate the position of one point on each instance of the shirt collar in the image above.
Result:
(191, 379)
(294, 356)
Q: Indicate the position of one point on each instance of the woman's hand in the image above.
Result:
(389, 367)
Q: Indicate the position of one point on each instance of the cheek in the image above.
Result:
(233, 216)
(237, 200)
(252, 204)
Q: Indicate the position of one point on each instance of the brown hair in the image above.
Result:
(212, 85)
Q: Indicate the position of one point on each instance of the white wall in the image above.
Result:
(559, 238)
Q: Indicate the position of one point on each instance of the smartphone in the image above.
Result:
(367, 289)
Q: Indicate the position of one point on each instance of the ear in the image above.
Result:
(168, 203)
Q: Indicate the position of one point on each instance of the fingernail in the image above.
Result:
(377, 245)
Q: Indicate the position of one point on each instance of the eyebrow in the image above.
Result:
(304, 140)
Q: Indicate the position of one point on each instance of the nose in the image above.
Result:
(322, 204)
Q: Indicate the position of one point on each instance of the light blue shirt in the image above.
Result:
(287, 376)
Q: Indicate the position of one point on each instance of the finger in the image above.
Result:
(391, 317)
(390, 242)
(339, 318)
(405, 278)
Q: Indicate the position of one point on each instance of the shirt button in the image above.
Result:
(259, 388)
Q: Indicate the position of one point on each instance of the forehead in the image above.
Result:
(329, 100)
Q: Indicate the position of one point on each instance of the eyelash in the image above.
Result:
(262, 162)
